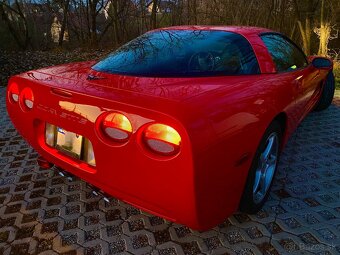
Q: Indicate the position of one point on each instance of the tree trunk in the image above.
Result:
(115, 22)
(192, 12)
(195, 11)
(154, 14)
(306, 33)
(64, 22)
(11, 28)
(324, 32)
(93, 23)
(94, 40)
(283, 14)
(22, 43)
(269, 16)
(23, 17)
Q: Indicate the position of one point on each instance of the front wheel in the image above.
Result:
(327, 93)
(262, 170)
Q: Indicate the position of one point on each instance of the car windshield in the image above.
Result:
(182, 53)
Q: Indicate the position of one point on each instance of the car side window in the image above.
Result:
(286, 55)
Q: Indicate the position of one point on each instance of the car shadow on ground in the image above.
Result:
(41, 211)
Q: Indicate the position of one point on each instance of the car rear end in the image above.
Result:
(136, 154)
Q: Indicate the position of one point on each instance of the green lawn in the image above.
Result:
(337, 87)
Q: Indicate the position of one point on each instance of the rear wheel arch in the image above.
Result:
(327, 93)
(282, 118)
(247, 203)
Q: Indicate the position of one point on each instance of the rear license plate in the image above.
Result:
(69, 142)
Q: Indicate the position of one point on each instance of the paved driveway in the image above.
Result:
(44, 213)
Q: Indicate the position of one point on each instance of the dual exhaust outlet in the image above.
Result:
(44, 164)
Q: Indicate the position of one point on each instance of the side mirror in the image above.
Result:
(322, 63)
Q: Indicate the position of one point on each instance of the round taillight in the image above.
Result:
(27, 98)
(117, 127)
(13, 92)
(162, 139)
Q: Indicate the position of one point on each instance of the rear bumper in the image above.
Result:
(161, 186)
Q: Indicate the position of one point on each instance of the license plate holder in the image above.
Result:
(69, 143)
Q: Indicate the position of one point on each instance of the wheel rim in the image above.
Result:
(266, 168)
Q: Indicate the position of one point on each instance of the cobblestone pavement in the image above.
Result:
(44, 213)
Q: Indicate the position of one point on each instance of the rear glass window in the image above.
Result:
(182, 53)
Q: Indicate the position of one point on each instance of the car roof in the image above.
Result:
(245, 30)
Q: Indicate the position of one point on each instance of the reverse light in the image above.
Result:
(89, 153)
(27, 98)
(50, 132)
(117, 127)
(13, 92)
(162, 139)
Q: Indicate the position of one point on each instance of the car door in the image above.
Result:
(293, 68)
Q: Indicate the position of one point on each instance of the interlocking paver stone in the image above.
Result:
(42, 212)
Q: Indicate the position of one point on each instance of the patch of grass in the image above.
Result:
(337, 83)
(336, 71)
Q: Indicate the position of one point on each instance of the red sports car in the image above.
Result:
(186, 123)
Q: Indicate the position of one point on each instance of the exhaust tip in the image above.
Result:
(70, 177)
(98, 192)
(43, 163)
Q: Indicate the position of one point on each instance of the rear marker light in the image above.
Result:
(117, 126)
(162, 139)
(14, 92)
(15, 97)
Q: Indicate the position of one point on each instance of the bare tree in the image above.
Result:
(65, 4)
(306, 11)
(155, 8)
(94, 7)
(16, 20)
(112, 22)
(324, 32)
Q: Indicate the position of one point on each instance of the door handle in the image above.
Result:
(298, 81)
(316, 75)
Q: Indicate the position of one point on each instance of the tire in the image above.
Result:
(252, 201)
(327, 93)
